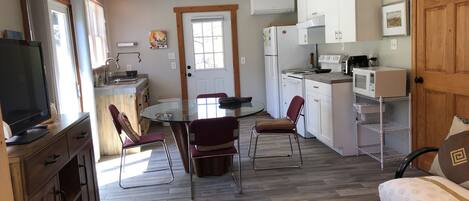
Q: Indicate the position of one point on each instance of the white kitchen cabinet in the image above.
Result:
(345, 20)
(329, 115)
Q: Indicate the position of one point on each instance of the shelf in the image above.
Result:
(389, 155)
(387, 127)
(386, 99)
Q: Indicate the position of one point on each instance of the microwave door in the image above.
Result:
(361, 84)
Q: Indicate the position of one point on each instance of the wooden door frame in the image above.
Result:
(27, 32)
(413, 73)
(234, 40)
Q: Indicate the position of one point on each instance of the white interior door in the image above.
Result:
(209, 53)
(65, 71)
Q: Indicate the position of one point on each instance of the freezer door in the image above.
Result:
(272, 86)
(270, 41)
(291, 55)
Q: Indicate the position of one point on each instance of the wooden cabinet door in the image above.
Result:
(88, 174)
(441, 62)
(50, 192)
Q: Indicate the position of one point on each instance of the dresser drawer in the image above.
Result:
(78, 136)
(44, 165)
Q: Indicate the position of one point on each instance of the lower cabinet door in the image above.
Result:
(50, 192)
(326, 120)
(313, 116)
(87, 174)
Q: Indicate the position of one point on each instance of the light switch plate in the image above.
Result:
(243, 60)
(171, 56)
(173, 65)
(394, 44)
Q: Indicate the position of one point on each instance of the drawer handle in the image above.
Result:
(316, 100)
(82, 135)
(52, 159)
(316, 87)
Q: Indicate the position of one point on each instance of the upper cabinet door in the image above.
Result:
(332, 21)
(347, 20)
(302, 10)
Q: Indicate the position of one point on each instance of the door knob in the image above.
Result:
(418, 80)
(189, 74)
(189, 67)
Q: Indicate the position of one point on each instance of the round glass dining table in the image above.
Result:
(180, 113)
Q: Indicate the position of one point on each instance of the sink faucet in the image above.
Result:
(106, 68)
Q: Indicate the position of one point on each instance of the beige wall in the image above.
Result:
(131, 20)
(10, 15)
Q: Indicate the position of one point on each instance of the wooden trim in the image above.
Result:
(75, 54)
(66, 2)
(25, 16)
(6, 189)
(413, 73)
(181, 46)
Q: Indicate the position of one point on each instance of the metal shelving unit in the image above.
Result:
(382, 128)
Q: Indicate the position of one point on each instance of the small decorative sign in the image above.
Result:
(158, 40)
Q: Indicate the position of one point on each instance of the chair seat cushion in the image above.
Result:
(422, 188)
(220, 152)
(145, 139)
(283, 125)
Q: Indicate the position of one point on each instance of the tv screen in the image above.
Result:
(23, 91)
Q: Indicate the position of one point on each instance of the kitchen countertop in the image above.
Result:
(330, 78)
(297, 70)
(120, 89)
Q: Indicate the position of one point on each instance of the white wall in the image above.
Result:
(10, 15)
(131, 20)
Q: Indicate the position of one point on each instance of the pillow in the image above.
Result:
(422, 188)
(452, 159)
(127, 128)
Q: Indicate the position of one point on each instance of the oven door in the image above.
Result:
(361, 83)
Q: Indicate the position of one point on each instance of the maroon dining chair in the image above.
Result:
(147, 139)
(278, 127)
(213, 95)
(209, 138)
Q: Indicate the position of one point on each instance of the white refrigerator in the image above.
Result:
(282, 52)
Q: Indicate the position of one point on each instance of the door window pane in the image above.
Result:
(208, 44)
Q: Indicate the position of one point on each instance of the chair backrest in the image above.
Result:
(216, 131)
(115, 115)
(213, 95)
(295, 107)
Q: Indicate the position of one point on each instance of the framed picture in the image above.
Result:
(395, 19)
(158, 40)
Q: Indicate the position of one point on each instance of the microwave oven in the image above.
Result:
(380, 82)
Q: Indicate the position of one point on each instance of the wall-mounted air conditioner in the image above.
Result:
(263, 7)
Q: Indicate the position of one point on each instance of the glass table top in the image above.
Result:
(202, 108)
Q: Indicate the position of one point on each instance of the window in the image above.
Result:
(97, 34)
(208, 44)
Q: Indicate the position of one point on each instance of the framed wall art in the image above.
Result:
(395, 19)
(158, 39)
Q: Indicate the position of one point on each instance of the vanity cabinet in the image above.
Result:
(57, 167)
(329, 114)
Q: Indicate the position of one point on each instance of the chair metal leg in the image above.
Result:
(299, 149)
(190, 175)
(168, 158)
(239, 169)
(170, 163)
(281, 167)
(254, 156)
(121, 166)
(250, 142)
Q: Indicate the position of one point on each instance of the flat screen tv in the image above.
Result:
(23, 90)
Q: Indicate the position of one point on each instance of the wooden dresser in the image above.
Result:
(59, 166)
(128, 98)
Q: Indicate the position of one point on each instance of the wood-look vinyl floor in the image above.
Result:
(325, 175)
